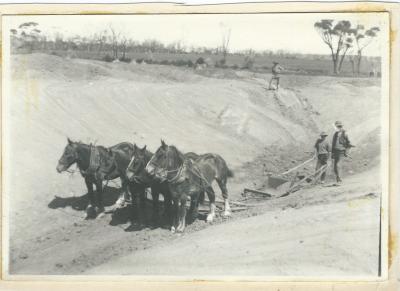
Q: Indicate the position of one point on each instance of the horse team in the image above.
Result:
(177, 176)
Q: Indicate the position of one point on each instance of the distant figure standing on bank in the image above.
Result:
(340, 146)
(276, 74)
(322, 152)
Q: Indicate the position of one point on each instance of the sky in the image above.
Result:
(293, 32)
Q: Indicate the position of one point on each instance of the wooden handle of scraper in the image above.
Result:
(298, 166)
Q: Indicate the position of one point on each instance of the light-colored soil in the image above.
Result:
(297, 239)
(226, 112)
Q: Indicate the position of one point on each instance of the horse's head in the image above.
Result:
(137, 163)
(69, 157)
(167, 159)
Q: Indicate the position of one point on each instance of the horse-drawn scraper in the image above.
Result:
(283, 184)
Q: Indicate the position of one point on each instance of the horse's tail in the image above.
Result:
(230, 173)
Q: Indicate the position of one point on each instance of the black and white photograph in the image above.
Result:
(196, 146)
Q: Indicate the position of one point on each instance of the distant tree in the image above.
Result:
(226, 36)
(114, 40)
(100, 39)
(27, 33)
(338, 37)
(249, 56)
(363, 39)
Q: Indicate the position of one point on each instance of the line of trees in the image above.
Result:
(343, 40)
(29, 36)
(341, 37)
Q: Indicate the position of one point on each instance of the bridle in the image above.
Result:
(178, 170)
(76, 159)
(134, 177)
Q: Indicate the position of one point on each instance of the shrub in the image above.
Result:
(107, 58)
(180, 63)
(200, 61)
(248, 62)
(165, 62)
(139, 61)
(125, 60)
(220, 63)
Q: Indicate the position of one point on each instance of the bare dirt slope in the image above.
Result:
(221, 111)
(283, 241)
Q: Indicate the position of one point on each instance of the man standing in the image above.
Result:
(340, 145)
(276, 73)
(322, 152)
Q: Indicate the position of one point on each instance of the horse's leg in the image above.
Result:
(133, 191)
(193, 211)
(124, 196)
(211, 197)
(167, 206)
(140, 203)
(182, 214)
(99, 190)
(155, 195)
(224, 190)
(92, 201)
(175, 215)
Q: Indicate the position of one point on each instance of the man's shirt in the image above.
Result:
(322, 146)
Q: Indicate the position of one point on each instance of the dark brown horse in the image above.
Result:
(188, 178)
(96, 164)
(139, 180)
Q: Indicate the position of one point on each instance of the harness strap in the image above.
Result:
(179, 177)
(94, 161)
(94, 167)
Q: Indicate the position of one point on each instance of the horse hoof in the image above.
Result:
(210, 218)
(90, 212)
(172, 229)
(227, 213)
(121, 203)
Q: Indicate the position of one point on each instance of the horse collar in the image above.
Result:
(179, 177)
(94, 161)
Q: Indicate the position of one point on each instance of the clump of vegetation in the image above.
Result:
(249, 60)
(200, 61)
(108, 58)
(182, 62)
(125, 59)
(165, 62)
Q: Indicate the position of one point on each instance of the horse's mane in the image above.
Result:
(148, 154)
(178, 154)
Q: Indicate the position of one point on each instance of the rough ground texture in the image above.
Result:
(315, 231)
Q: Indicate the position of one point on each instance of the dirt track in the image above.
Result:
(255, 130)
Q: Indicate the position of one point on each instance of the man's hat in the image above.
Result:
(323, 134)
(338, 123)
(275, 62)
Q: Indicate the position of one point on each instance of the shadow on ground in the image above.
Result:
(79, 203)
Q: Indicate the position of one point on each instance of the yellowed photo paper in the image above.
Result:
(176, 147)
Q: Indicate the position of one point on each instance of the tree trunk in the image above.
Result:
(359, 62)
(341, 59)
(335, 67)
(334, 61)
(352, 65)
